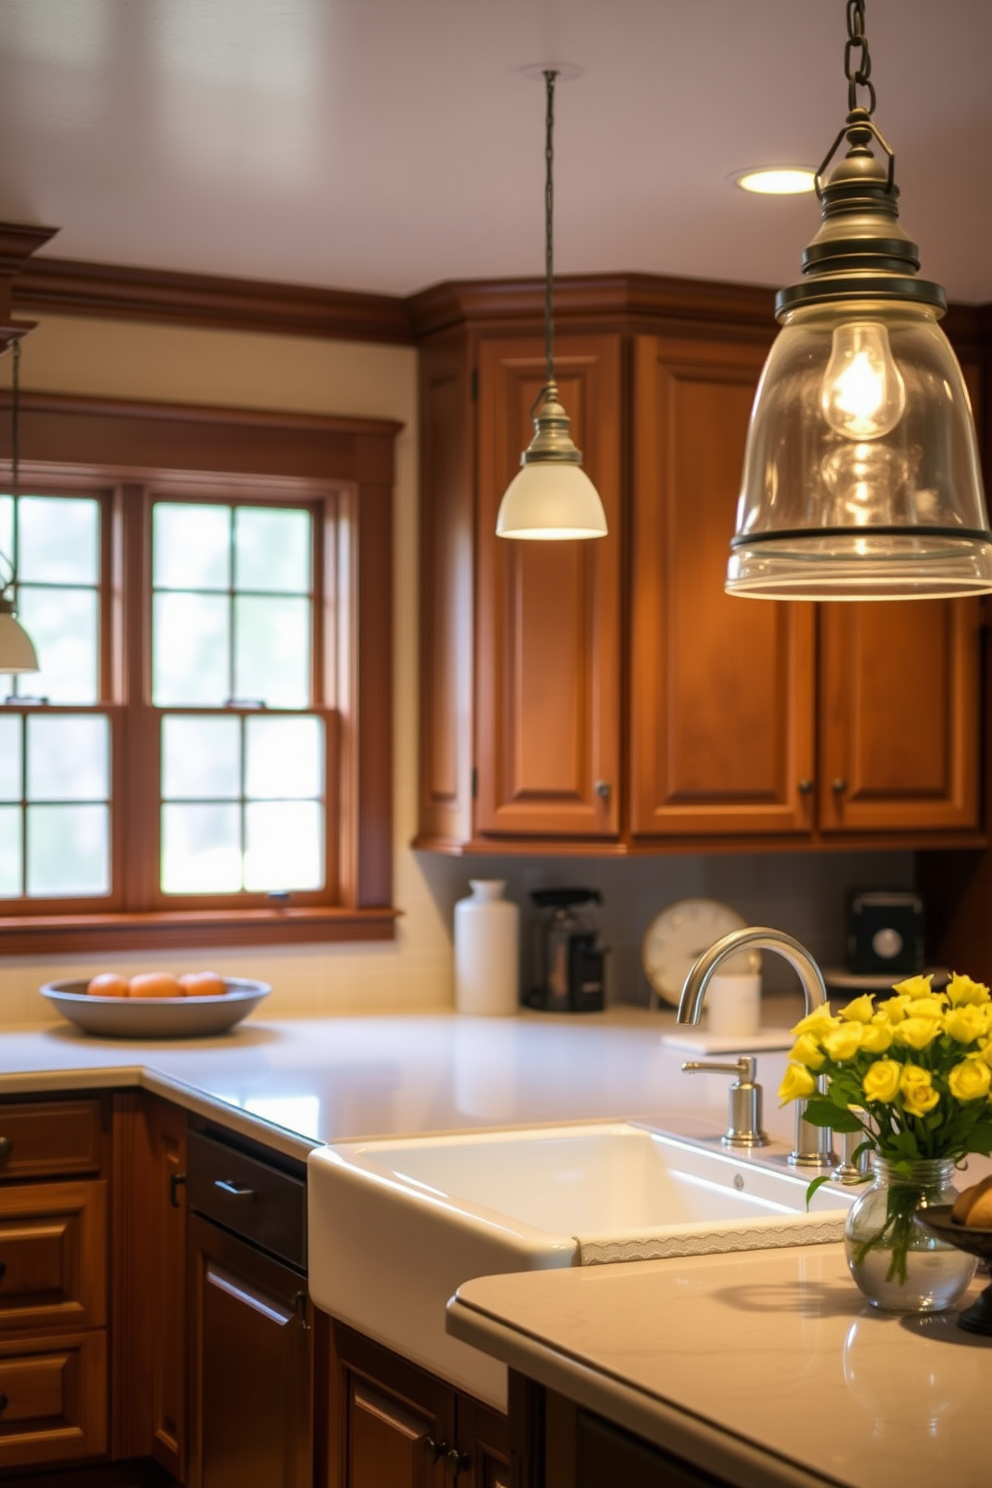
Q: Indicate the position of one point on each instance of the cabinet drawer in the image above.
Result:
(53, 1399)
(53, 1248)
(48, 1139)
(248, 1197)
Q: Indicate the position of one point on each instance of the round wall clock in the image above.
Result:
(679, 935)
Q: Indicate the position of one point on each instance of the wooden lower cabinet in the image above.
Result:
(250, 1385)
(54, 1156)
(394, 1425)
(559, 1445)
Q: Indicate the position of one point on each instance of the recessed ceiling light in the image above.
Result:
(776, 180)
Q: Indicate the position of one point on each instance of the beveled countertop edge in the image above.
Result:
(696, 1439)
(145, 1077)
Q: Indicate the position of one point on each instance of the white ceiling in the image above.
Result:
(385, 145)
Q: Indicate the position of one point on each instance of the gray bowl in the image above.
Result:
(155, 1017)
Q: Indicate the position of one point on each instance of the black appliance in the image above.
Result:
(885, 933)
(570, 959)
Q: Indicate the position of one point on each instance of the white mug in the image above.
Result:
(733, 1004)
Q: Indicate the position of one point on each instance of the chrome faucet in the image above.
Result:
(813, 1143)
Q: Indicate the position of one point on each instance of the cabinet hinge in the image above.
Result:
(474, 385)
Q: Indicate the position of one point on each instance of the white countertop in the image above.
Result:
(767, 1368)
(299, 1082)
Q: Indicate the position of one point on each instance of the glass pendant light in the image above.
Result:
(17, 653)
(861, 475)
(551, 497)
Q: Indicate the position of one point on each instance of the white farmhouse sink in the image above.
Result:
(396, 1225)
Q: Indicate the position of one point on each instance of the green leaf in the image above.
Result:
(824, 1113)
(817, 1183)
(820, 1112)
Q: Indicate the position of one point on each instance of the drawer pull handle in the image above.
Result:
(175, 1182)
(3, 1270)
(5, 1146)
(3, 1404)
(234, 1190)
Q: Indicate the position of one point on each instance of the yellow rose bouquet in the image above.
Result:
(913, 1074)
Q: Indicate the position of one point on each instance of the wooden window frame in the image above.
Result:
(343, 470)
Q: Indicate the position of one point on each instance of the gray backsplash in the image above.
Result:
(801, 893)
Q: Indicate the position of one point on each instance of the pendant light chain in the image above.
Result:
(549, 208)
(857, 59)
(15, 453)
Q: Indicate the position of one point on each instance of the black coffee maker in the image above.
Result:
(569, 956)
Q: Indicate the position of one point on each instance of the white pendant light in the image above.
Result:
(17, 653)
(861, 475)
(552, 497)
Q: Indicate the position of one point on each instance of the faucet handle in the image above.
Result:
(745, 1099)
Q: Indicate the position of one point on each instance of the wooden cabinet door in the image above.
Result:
(547, 737)
(899, 716)
(250, 1367)
(721, 688)
(390, 1422)
(149, 1356)
(483, 1442)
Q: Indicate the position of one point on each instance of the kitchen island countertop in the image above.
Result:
(767, 1369)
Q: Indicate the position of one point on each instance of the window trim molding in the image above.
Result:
(117, 442)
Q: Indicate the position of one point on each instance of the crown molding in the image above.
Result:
(71, 287)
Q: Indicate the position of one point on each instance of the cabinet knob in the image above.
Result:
(433, 1450)
(602, 789)
(456, 1462)
(838, 786)
(176, 1180)
(5, 1146)
(3, 1404)
(806, 787)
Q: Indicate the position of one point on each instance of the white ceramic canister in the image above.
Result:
(487, 950)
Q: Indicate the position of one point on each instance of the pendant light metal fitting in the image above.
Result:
(860, 250)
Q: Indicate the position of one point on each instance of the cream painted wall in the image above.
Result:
(803, 894)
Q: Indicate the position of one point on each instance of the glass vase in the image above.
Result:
(897, 1265)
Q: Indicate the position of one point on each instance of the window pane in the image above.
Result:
(10, 852)
(6, 533)
(201, 758)
(68, 758)
(272, 550)
(201, 849)
(191, 546)
(10, 757)
(68, 850)
(285, 758)
(59, 540)
(65, 626)
(284, 845)
(272, 651)
(190, 649)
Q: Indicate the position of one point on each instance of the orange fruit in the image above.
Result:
(203, 984)
(109, 984)
(156, 984)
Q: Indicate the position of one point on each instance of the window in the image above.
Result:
(203, 756)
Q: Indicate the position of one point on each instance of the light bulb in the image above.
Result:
(863, 395)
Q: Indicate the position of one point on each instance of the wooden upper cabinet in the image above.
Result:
(898, 716)
(721, 688)
(447, 502)
(547, 685)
